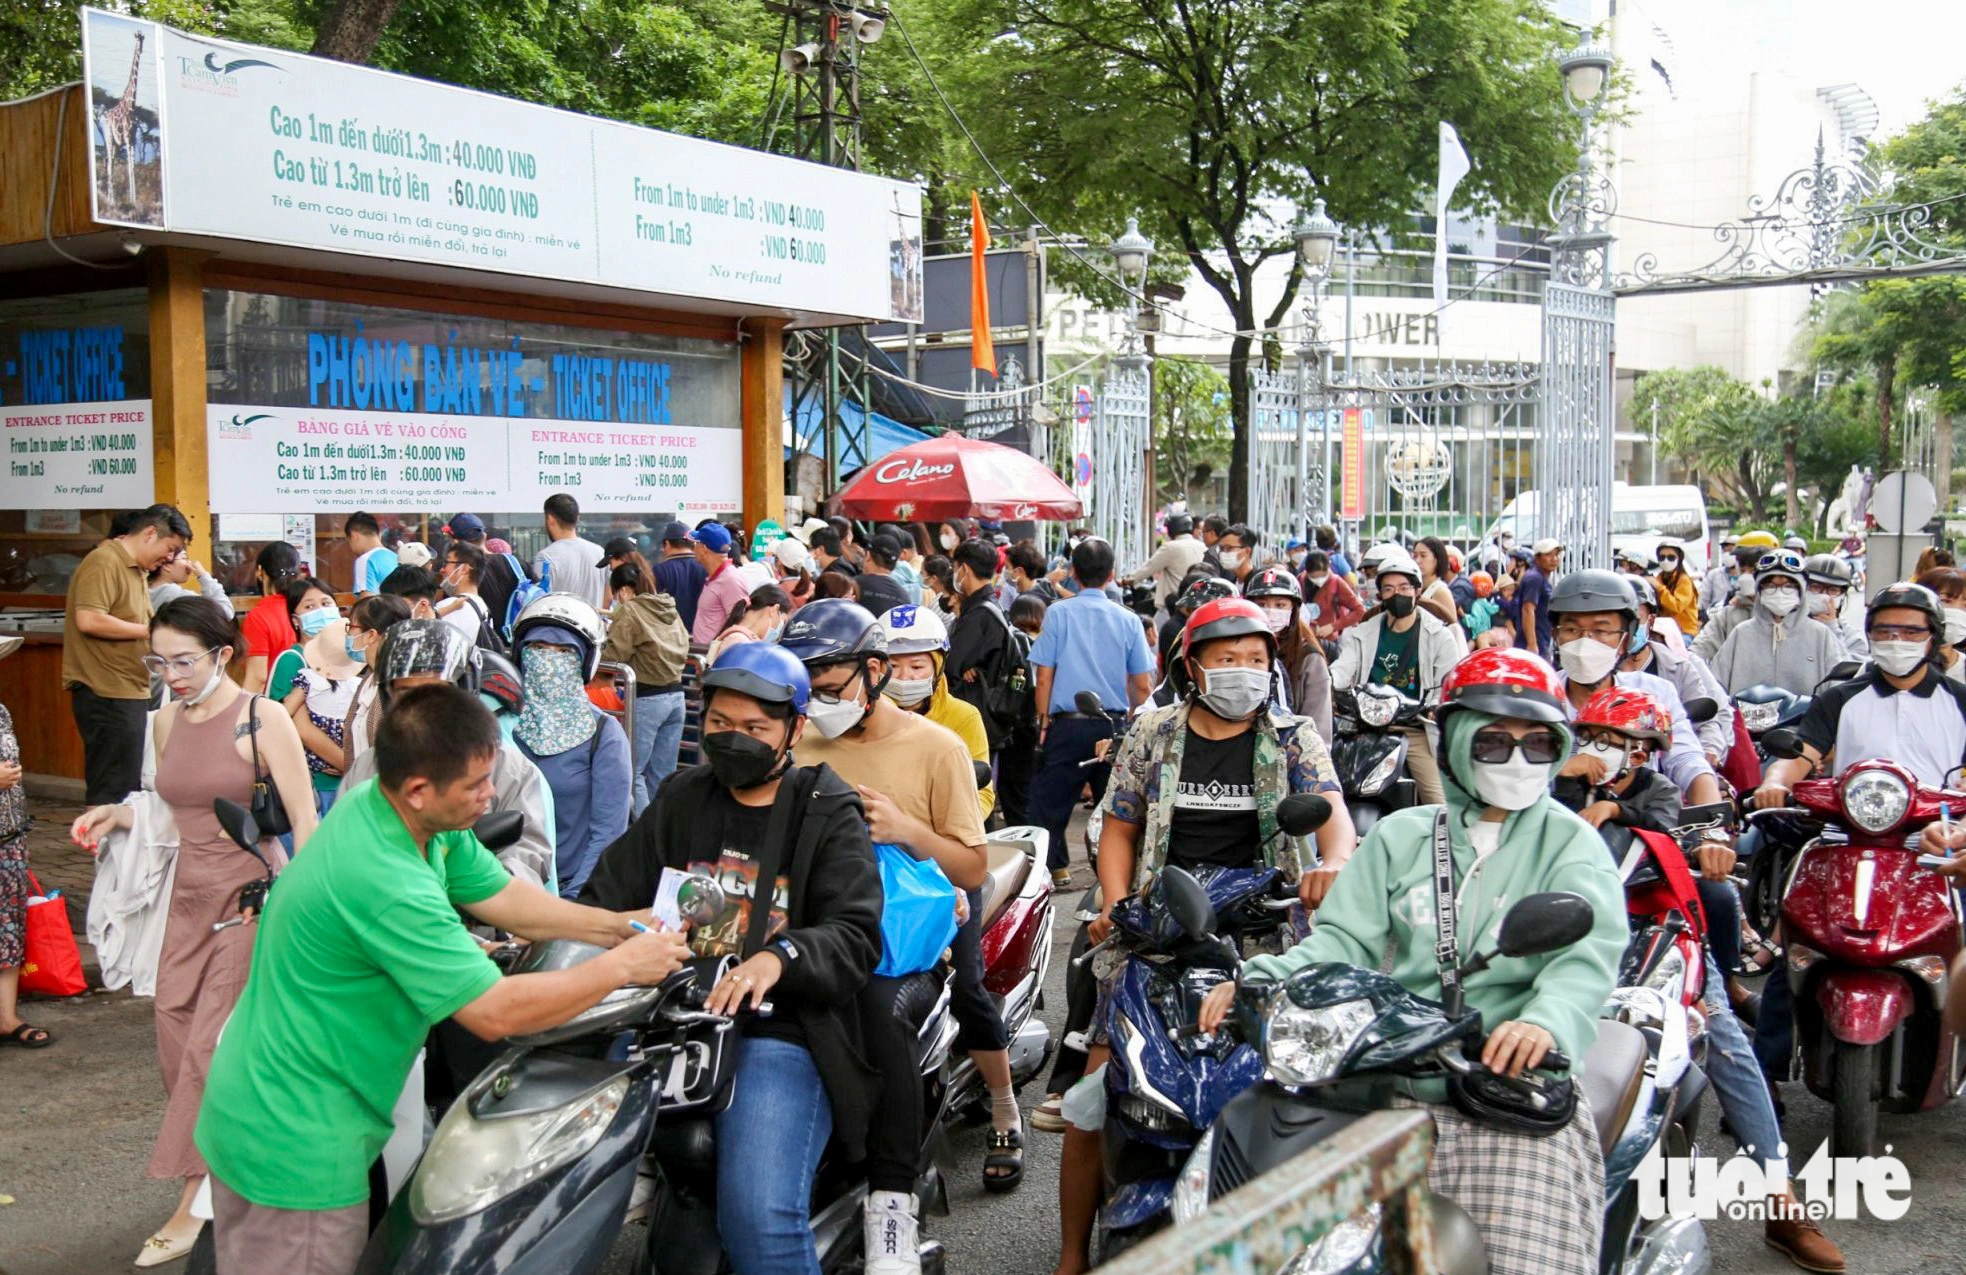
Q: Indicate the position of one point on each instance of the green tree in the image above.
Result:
(1211, 118)
(1192, 428)
(1720, 428)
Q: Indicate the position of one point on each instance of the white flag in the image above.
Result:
(1454, 166)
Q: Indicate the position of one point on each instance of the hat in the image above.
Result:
(1546, 545)
(327, 652)
(712, 536)
(791, 555)
(556, 634)
(803, 532)
(619, 547)
(466, 527)
(676, 533)
(413, 554)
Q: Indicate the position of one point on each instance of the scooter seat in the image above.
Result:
(1614, 1074)
(1009, 864)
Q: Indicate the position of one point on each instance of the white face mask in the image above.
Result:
(949, 541)
(1587, 660)
(1318, 582)
(1277, 620)
(1821, 604)
(1234, 693)
(1616, 760)
(908, 692)
(1897, 658)
(1955, 626)
(1777, 600)
(835, 719)
(1514, 784)
(1232, 558)
(211, 684)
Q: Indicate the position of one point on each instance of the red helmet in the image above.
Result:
(1507, 682)
(1484, 584)
(1628, 712)
(1273, 582)
(1225, 618)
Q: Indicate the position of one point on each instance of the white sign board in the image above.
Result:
(206, 137)
(81, 455)
(307, 459)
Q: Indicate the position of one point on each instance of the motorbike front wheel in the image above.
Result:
(1853, 1085)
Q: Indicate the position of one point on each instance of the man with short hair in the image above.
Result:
(1235, 549)
(464, 607)
(1532, 598)
(415, 586)
(568, 563)
(723, 587)
(1718, 583)
(105, 635)
(830, 552)
(979, 636)
(1170, 563)
(851, 549)
(1089, 643)
(373, 559)
(1024, 571)
(499, 578)
(678, 573)
(359, 954)
(880, 589)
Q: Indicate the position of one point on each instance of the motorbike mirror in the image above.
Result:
(1782, 742)
(500, 829)
(983, 776)
(1186, 900)
(1844, 671)
(700, 900)
(1545, 922)
(238, 824)
(1302, 813)
(1088, 702)
(1700, 710)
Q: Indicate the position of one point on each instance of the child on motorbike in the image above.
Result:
(1537, 1201)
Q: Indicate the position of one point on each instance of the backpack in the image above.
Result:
(488, 638)
(1009, 698)
(525, 593)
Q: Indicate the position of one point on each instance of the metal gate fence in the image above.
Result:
(1122, 434)
(1574, 444)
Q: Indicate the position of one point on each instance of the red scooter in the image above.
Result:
(1870, 933)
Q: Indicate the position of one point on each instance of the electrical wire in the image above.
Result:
(983, 395)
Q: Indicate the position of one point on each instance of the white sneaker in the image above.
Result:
(892, 1236)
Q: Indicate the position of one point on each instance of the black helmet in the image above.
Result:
(427, 648)
(1905, 594)
(833, 631)
(1180, 524)
(1273, 582)
(1586, 591)
(1205, 590)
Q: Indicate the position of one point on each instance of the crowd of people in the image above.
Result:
(897, 689)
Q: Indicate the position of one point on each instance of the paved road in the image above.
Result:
(76, 1123)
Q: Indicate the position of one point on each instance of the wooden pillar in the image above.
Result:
(177, 388)
(764, 415)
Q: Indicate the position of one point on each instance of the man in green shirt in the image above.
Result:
(359, 954)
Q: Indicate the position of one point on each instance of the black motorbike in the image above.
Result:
(1369, 750)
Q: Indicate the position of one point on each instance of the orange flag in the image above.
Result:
(982, 352)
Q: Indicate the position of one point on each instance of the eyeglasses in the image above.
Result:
(1898, 633)
(181, 664)
(1495, 747)
(1779, 560)
(1571, 632)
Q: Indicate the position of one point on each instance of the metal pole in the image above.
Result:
(1655, 442)
(1306, 351)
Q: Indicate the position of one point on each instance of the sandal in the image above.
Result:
(1049, 1115)
(1006, 1153)
(27, 1036)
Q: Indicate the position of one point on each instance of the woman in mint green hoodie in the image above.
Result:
(1537, 1201)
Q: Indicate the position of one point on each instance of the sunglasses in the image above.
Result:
(1494, 747)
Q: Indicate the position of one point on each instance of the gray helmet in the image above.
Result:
(1643, 591)
(1581, 592)
(1827, 568)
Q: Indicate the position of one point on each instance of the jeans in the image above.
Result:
(1774, 1024)
(1055, 787)
(112, 743)
(658, 734)
(1722, 904)
(768, 1145)
(1736, 1077)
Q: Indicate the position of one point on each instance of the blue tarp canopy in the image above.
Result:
(884, 435)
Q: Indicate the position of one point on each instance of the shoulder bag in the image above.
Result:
(267, 809)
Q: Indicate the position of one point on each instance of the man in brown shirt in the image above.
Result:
(103, 645)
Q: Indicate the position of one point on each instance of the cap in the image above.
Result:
(712, 536)
(791, 554)
(803, 532)
(1546, 545)
(619, 547)
(554, 634)
(676, 533)
(413, 554)
(466, 527)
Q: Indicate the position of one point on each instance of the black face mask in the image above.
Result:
(739, 761)
(1400, 605)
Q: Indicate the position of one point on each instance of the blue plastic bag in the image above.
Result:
(918, 911)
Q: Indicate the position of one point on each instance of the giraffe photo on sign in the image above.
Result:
(126, 144)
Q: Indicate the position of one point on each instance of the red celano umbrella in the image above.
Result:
(956, 477)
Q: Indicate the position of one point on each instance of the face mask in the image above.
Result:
(314, 621)
(1744, 585)
(1588, 660)
(1778, 602)
(1514, 784)
(1232, 558)
(211, 683)
(1318, 582)
(1296, 562)
(1277, 620)
(355, 653)
(909, 692)
(1234, 693)
(1955, 626)
(739, 761)
(835, 720)
(775, 632)
(1615, 759)
(1898, 658)
(1400, 605)
(1822, 604)
(1668, 565)
(949, 541)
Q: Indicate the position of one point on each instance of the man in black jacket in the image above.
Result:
(979, 638)
(748, 814)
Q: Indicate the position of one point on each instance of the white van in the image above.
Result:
(1640, 518)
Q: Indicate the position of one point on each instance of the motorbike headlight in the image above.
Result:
(471, 1164)
(1191, 1188)
(1668, 977)
(1758, 717)
(1340, 1249)
(1382, 774)
(1304, 1046)
(1875, 800)
(1377, 710)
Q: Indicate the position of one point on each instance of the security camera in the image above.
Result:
(799, 59)
(867, 27)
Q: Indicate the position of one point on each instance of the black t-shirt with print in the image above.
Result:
(726, 845)
(1397, 661)
(1214, 821)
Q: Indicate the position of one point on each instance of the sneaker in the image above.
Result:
(893, 1237)
(1061, 878)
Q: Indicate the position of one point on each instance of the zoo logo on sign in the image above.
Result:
(215, 77)
(242, 430)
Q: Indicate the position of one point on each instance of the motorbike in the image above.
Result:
(1333, 1037)
(1369, 751)
(1164, 1087)
(1764, 708)
(1871, 930)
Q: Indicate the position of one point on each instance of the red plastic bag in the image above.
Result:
(53, 964)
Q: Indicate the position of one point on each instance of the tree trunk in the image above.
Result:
(1239, 414)
(1750, 492)
(350, 30)
(1887, 376)
(1793, 511)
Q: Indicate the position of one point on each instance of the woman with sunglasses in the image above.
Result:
(1537, 1201)
(1780, 644)
(205, 738)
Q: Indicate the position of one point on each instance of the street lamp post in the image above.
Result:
(1131, 253)
(1584, 200)
(1317, 238)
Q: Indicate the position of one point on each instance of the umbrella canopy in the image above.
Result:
(957, 477)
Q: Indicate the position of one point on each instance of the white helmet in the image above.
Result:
(912, 630)
(1397, 561)
(574, 616)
